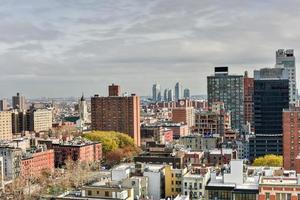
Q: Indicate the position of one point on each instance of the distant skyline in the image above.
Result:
(61, 48)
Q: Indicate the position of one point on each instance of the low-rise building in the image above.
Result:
(173, 181)
(77, 150)
(194, 182)
(35, 161)
(107, 192)
(282, 185)
(198, 142)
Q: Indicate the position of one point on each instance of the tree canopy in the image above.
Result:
(269, 160)
(110, 140)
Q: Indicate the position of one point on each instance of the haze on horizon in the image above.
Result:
(61, 48)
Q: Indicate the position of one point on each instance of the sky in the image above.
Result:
(61, 48)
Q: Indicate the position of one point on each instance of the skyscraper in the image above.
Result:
(116, 113)
(186, 93)
(230, 90)
(155, 91)
(178, 91)
(271, 96)
(19, 102)
(166, 94)
(286, 59)
(3, 105)
(170, 95)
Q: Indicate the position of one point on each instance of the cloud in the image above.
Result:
(61, 48)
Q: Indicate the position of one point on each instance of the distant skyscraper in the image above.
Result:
(166, 94)
(19, 102)
(159, 97)
(271, 96)
(286, 59)
(178, 91)
(116, 113)
(186, 93)
(155, 91)
(82, 108)
(170, 95)
(3, 105)
(230, 90)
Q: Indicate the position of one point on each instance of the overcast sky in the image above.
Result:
(60, 48)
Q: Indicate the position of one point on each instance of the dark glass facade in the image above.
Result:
(270, 98)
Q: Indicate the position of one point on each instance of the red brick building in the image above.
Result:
(80, 151)
(117, 113)
(291, 128)
(248, 98)
(32, 165)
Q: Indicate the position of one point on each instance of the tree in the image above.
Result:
(269, 160)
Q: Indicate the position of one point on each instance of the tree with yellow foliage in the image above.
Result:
(269, 160)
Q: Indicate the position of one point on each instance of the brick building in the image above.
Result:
(117, 113)
(184, 113)
(76, 150)
(33, 163)
(291, 124)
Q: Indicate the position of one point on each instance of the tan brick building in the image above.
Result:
(117, 113)
(5, 125)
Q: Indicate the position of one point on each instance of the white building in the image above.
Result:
(155, 174)
(121, 172)
(11, 162)
(194, 182)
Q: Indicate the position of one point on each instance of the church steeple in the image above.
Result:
(82, 98)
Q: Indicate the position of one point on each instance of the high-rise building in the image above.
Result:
(155, 91)
(116, 113)
(19, 122)
(166, 94)
(248, 99)
(291, 138)
(186, 93)
(170, 95)
(271, 96)
(19, 102)
(159, 97)
(286, 59)
(82, 107)
(5, 125)
(184, 113)
(229, 89)
(178, 91)
(39, 120)
(3, 105)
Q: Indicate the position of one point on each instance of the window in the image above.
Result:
(106, 193)
(89, 192)
(267, 196)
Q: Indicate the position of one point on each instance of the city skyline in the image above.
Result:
(61, 48)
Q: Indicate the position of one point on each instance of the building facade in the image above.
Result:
(5, 125)
(12, 162)
(178, 91)
(271, 96)
(39, 120)
(4, 105)
(19, 102)
(286, 59)
(222, 87)
(116, 113)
